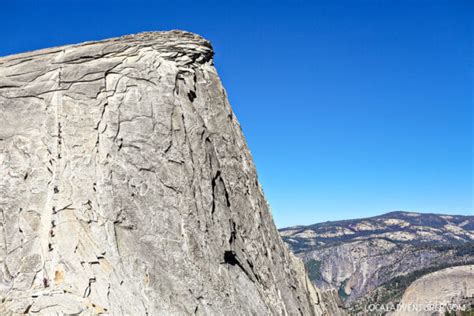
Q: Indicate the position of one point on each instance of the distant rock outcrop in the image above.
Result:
(373, 260)
(450, 289)
(127, 188)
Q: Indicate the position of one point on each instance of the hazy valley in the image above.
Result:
(374, 260)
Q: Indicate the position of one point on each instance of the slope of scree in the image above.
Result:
(126, 187)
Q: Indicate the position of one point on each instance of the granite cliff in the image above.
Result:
(450, 290)
(127, 188)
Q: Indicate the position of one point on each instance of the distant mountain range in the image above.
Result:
(373, 260)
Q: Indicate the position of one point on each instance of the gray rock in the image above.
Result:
(126, 187)
(435, 293)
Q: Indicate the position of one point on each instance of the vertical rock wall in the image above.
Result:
(126, 187)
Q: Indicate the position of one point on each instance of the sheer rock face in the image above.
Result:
(126, 187)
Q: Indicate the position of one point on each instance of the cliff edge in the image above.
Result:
(126, 187)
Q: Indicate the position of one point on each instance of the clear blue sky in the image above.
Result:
(350, 108)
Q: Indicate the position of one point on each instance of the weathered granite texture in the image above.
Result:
(126, 187)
